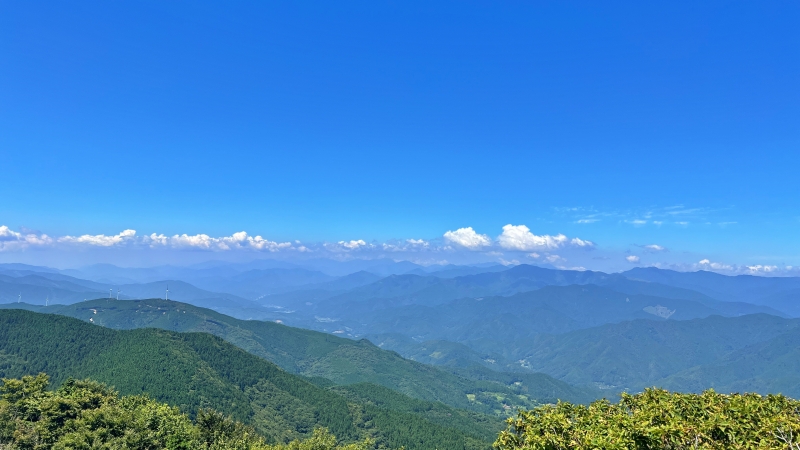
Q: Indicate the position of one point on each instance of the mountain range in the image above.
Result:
(619, 331)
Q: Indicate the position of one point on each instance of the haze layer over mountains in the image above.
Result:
(602, 332)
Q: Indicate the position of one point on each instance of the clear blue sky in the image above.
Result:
(376, 120)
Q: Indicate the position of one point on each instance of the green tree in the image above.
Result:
(658, 419)
(84, 415)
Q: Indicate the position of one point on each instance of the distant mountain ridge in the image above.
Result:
(474, 322)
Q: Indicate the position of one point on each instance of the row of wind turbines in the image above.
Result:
(46, 300)
(110, 291)
(110, 296)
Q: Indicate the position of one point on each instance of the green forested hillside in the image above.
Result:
(198, 370)
(84, 414)
(640, 353)
(343, 361)
(769, 366)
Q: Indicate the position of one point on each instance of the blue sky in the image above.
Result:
(627, 125)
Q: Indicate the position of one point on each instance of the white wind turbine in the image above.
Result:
(166, 296)
(118, 294)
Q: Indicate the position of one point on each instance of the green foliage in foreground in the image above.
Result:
(89, 415)
(195, 371)
(658, 419)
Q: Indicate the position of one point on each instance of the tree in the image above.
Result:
(658, 419)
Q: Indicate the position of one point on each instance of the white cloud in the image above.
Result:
(655, 248)
(764, 269)
(578, 242)
(100, 240)
(467, 237)
(13, 240)
(352, 245)
(260, 243)
(239, 240)
(554, 258)
(632, 259)
(587, 220)
(202, 241)
(348, 246)
(637, 222)
(513, 262)
(417, 242)
(519, 237)
(706, 264)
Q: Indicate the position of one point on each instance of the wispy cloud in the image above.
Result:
(680, 215)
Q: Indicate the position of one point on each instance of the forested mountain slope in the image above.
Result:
(636, 354)
(194, 370)
(507, 325)
(340, 360)
(769, 366)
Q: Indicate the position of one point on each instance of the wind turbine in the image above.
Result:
(109, 293)
(47, 300)
(166, 296)
(19, 299)
(117, 294)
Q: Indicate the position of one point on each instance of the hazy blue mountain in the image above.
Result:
(636, 354)
(746, 353)
(770, 366)
(452, 270)
(743, 288)
(787, 301)
(111, 274)
(501, 324)
(26, 267)
(351, 281)
(37, 289)
(185, 292)
(728, 308)
(257, 283)
(40, 288)
(382, 266)
(57, 277)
